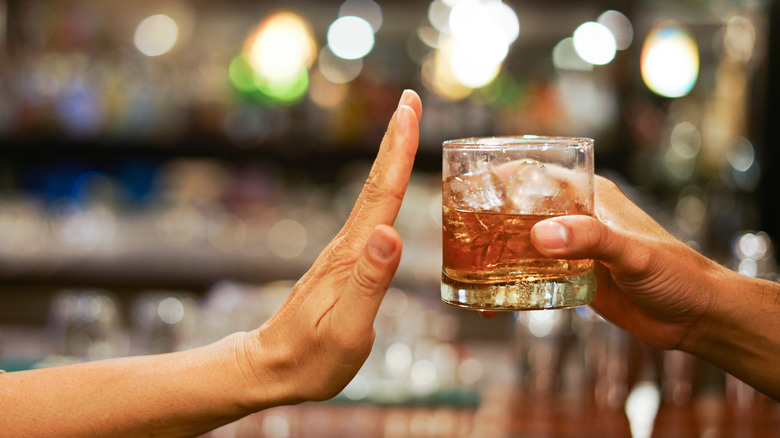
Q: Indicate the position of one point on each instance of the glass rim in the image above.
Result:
(518, 142)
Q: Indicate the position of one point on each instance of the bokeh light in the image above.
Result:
(439, 15)
(424, 376)
(754, 250)
(691, 209)
(641, 406)
(670, 60)
(156, 35)
(351, 37)
(471, 64)
(745, 170)
(170, 310)
(471, 39)
(577, 95)
(620, 26)
(276, 59)
(357, 389)
(679, 167)
(325, 93)
(565, 57)
(752, 246)
(541, 322)
(479, 44)
(338, 70)
(437, 76)
(740, 38)
(685, 139)
(281, 47)
(741, 156)
(287, 238)
(505, 17)
(368, 10)
(748, 267)
(470, 371)
(289, 90)
(241, 74)
(398, 359)
(595, 43)
(471, 18)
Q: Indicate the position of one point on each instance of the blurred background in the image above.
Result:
(167, 168)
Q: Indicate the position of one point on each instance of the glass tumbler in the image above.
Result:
(494, 189)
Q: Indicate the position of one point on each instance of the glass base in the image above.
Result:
(549, 293)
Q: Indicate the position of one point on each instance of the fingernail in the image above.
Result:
(550, 234)
(404, 98)
(380, 245)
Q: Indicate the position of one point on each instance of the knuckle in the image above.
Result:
(594, 235)
(380, 191)
(600, 240)
(366, 277)
(642, 260)
(354, 345)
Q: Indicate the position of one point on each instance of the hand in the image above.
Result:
(668, 295)
(318, 340)
(309, 350)
(649, 283)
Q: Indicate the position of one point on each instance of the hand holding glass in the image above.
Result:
(494, 190)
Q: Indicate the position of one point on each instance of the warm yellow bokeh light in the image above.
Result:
(438, 77)
(281, 47)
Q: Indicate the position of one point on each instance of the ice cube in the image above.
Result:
(475, 192)
(533, 187)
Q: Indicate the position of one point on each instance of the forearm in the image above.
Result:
(741, 330)
(178, 394)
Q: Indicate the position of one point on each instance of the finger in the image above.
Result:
(585, 237)
(371, 275)
(383, 193)
(409, 99)
(395, 158)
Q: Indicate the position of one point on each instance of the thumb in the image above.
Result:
(575, 237)
(370, 278)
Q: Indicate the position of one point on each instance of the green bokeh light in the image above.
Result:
(246, 80)
(286, 91)
(241, 75)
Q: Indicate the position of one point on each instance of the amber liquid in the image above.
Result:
(492, 247)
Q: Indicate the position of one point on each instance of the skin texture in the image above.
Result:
(667, 294)
(309, 350)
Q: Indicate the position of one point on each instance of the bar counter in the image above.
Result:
(505, 413)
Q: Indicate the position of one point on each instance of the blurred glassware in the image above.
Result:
(539, 336)
(679, 377)
(609, 350)
(86, 325)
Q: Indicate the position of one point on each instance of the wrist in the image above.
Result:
(715, 284)
(263, 374)
(738, 332)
